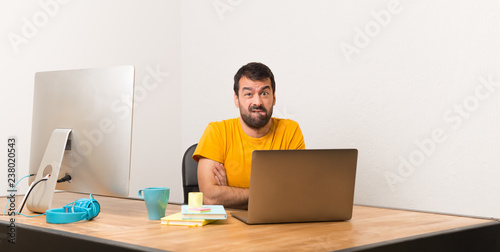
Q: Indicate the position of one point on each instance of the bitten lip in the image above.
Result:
(258, 111)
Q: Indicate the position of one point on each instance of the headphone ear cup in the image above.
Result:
(95, 206)
(90, 204)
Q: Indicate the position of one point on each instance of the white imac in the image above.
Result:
(82, 126)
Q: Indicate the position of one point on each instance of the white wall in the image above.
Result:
(411, 90)
(87, 34)
(400, 86)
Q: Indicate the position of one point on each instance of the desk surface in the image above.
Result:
(125, 220)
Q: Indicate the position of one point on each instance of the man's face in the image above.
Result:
(255, 100)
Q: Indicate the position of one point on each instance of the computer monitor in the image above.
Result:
(82, 126)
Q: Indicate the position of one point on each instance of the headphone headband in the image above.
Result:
(82, 209)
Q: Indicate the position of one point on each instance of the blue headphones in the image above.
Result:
(82, 209)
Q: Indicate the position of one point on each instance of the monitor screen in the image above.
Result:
(96, 107)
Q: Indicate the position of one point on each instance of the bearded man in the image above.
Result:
(224, 152)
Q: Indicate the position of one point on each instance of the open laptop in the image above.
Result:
(300, 186)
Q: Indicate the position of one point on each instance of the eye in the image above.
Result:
(265, 93)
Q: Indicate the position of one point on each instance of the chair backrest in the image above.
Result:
(189, 173)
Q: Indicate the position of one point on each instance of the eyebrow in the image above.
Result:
(251, 89)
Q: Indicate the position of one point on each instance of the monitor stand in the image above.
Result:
(40, 198)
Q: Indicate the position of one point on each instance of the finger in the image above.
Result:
(217, 180)
(223, 179)
(219, 166)
(216, 172)
(218, 177)
(220, 172)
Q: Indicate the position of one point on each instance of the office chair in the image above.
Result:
(189, 173)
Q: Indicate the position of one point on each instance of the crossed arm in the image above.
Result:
(212, 181)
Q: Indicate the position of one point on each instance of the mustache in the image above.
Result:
(252, 108)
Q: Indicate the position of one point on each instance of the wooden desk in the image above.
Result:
(126, 221)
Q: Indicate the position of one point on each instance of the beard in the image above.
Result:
(256, 120)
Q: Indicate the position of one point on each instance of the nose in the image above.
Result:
(256, 100)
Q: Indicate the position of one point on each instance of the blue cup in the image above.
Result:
(156, 199)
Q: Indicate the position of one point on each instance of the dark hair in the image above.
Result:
(254, 71)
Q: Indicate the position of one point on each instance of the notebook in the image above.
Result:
(300, 186)
(177, 220)
(216, 212)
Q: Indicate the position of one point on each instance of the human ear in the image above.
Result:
(236, 101)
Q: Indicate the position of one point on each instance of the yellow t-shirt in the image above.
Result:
(226, 143)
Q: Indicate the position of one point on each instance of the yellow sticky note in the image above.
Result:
(195, 199)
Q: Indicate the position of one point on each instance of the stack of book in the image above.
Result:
(196, 216)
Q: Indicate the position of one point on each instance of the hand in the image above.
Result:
(220, 174)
